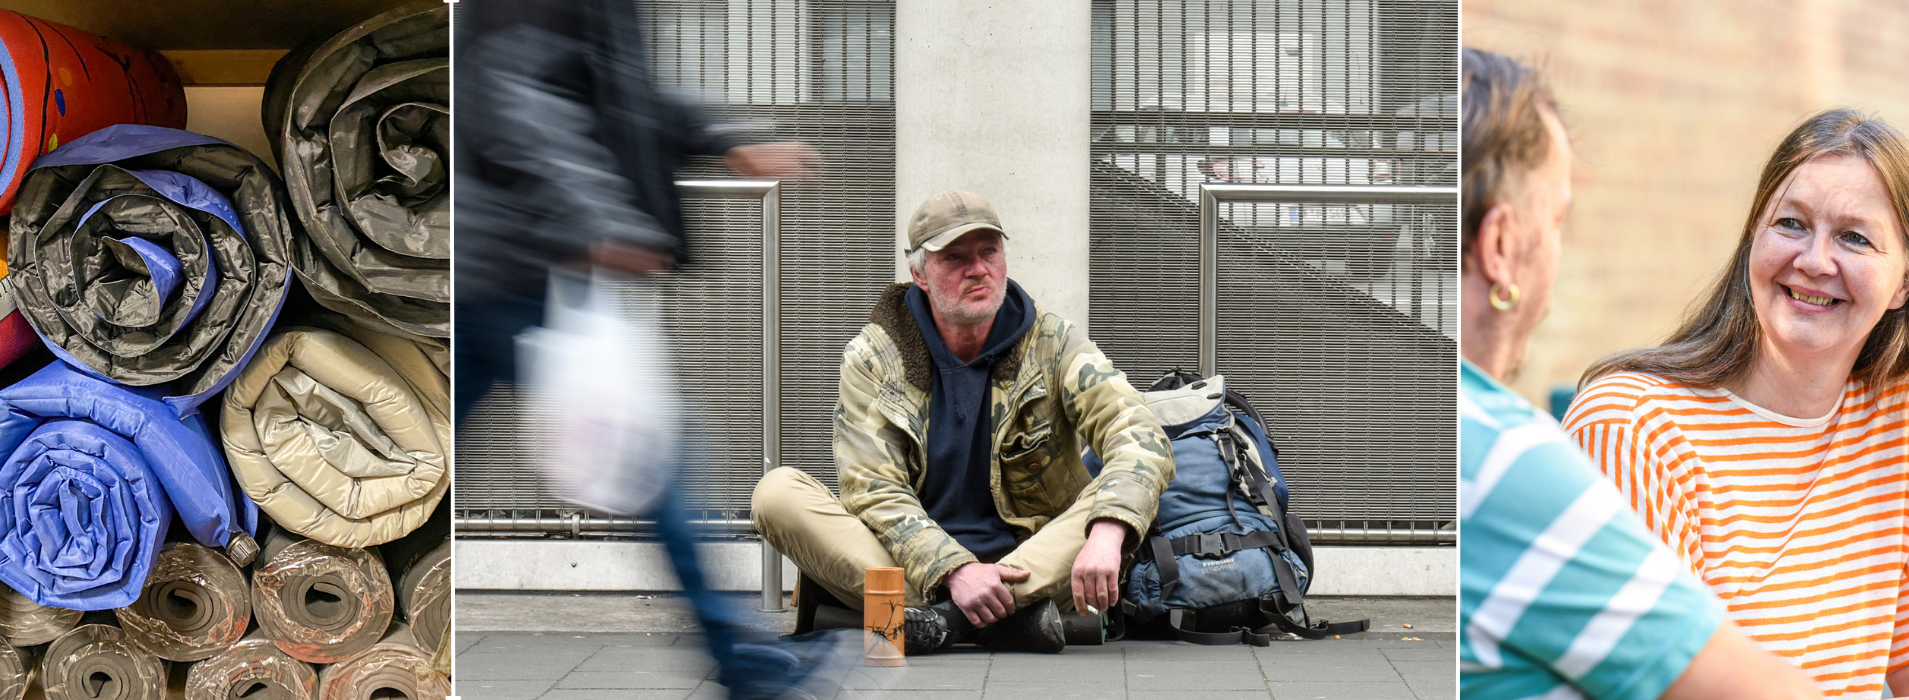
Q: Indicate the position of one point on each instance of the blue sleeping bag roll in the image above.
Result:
(94, 473)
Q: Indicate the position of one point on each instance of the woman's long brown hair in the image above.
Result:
(1719, 336)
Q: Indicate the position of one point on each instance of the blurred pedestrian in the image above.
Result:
(567, 153)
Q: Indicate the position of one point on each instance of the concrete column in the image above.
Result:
(992, 97)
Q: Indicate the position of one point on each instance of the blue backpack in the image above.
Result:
(1223, 554)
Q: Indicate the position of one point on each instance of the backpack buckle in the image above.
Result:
(1212, 545)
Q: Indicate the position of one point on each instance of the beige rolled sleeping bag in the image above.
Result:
(340, 433)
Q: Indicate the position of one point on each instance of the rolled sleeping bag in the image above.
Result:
(93, 476)
(320, 603)
(25, 623)
(252, 669)
(196, 603)
(152, 256)
(361, 124)
(62, 83)
(395, 668)
(98, 662)
(342, 436)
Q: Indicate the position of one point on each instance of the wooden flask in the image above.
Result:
(882, 618)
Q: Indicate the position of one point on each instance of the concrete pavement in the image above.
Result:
(625, 647)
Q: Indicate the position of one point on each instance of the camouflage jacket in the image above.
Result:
(1051, 394)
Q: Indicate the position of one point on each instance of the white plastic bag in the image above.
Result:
(603, 403)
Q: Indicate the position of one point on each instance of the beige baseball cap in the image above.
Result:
(946, 217)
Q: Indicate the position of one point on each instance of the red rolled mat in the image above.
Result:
(62, 83)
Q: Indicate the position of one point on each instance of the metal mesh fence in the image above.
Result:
(1338, 320)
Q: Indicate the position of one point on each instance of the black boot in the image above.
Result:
(928, 628)
(1035, 628)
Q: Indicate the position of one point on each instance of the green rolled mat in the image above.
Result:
(253, 669)
(320, 603)
(195, 603)
(98, 662)
(393, 669)
(25, 623)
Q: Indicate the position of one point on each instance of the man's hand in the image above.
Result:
(629, 259)
(1097, 570)
(978, 591)
(785, 160)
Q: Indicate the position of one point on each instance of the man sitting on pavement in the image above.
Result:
(962, 415)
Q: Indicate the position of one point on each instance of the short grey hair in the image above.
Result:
(918, 260)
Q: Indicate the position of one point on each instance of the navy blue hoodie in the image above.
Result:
(955, 491)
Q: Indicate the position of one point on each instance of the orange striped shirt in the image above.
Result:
(1800, 526)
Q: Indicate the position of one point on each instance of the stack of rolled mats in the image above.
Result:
(217, 480)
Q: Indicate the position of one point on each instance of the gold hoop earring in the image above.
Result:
(1503, 304)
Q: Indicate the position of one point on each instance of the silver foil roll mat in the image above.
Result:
(16, 670)
(253, 669)
(98, 662)
(321, 603)
(25, 623)
(393, 669)
(425, 596)
(195, 603)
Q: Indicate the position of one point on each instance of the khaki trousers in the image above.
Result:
(804, 521)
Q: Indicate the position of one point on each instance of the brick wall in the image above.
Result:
(1673, 107)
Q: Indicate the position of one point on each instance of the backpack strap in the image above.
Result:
(1213, 545)
(1282, 569)
(1162, 551)
(1183, 627)
(1282, 616)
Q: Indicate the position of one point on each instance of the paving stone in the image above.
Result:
(616, 694)
(1365, 665)
(909, 695)
(470, 689)
(1341, 690)
(1188, 678)
(515, 667)
(916, 677)
(1425, 653)
(674, 659)
(1062, 669)
(1003, 690)
(631, 679)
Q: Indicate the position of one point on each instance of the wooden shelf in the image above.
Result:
(200, 25)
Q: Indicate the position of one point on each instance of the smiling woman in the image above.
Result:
(1765, 441)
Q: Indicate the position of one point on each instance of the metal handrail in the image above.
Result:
(1212, 196)
(770, 192)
